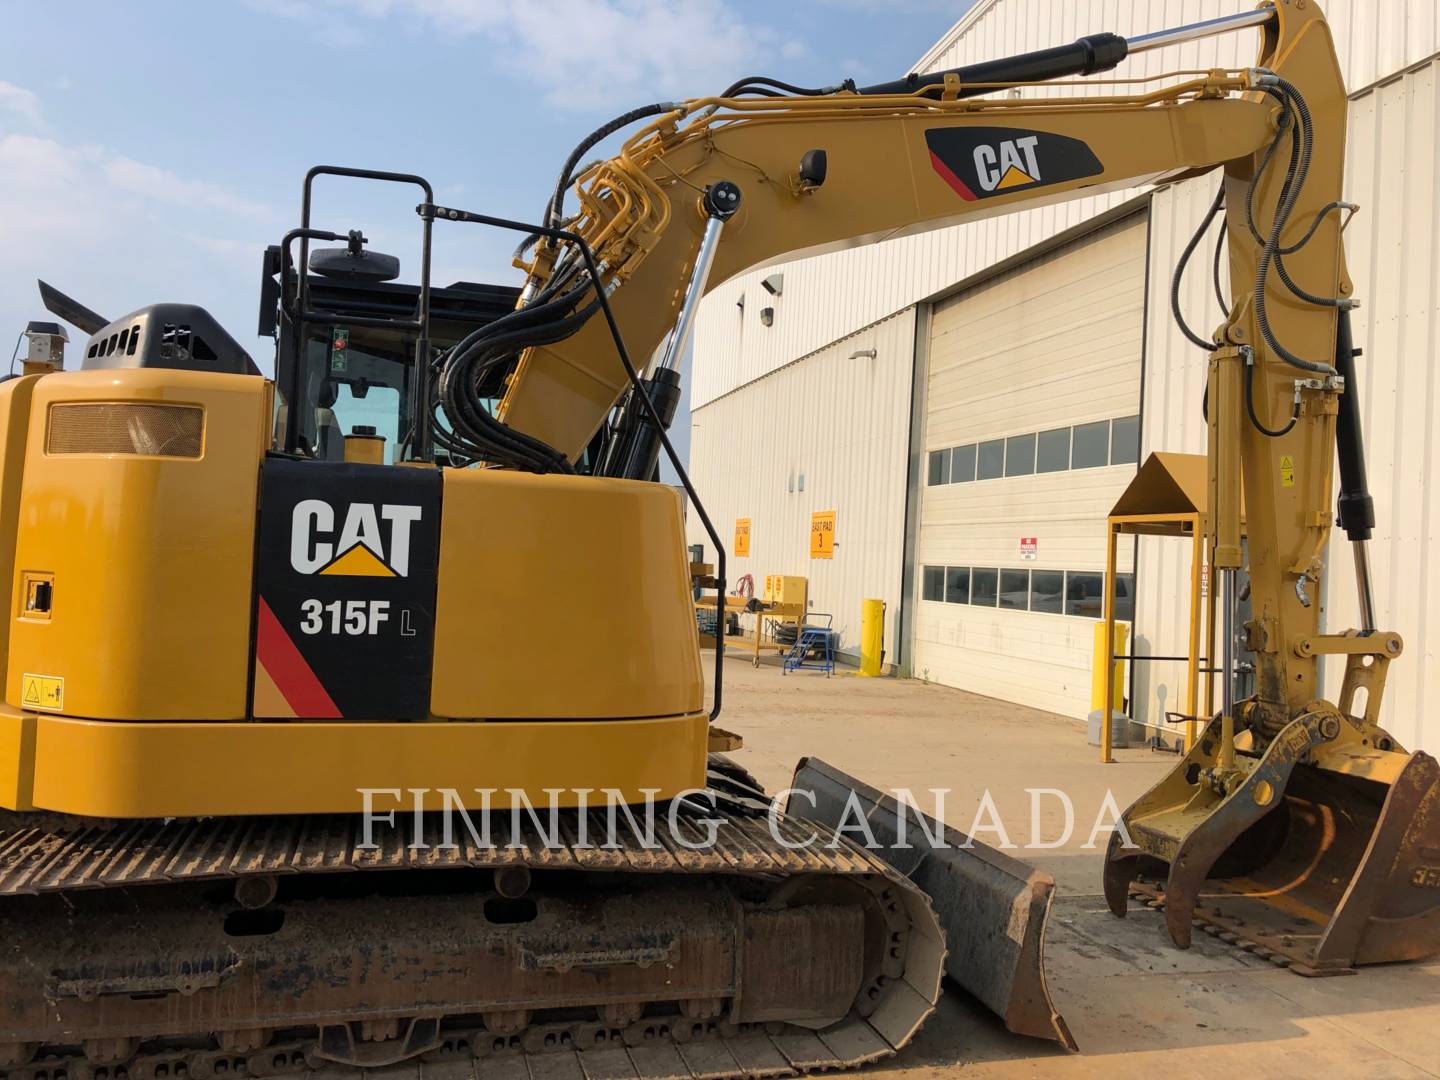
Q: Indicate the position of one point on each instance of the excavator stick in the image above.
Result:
(992, 908)
(1340, 870)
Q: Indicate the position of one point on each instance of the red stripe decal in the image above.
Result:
(950, 178)
(292, 675)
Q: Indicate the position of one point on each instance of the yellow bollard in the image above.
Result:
(872, 636)
(1097, 674)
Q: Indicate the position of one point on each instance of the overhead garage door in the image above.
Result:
(1031, 433)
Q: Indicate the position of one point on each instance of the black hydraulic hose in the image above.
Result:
(1176, 278)
(1290, 192)
(474, 430)
(1250, 408)
(1215, 271)
(557, 201)
(763, 84)
(555, 208)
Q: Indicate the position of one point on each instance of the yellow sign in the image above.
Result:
(742, 537)
(42, 691)
(822, 534)
(1287, 471)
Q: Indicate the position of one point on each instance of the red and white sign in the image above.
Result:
(1029, 547)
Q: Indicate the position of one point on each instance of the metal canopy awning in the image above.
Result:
(1168, 497)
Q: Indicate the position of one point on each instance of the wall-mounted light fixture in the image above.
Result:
(863, 354)
(767, 316)
(774, 284)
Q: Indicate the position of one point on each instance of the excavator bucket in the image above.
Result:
(993, 908)
(1318, 869)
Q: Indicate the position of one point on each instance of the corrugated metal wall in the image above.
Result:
(830, 432)
(828, 296)
(1393, 172)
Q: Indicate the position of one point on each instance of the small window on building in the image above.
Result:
(1125, 440)
(939, 467)
(1085, 594)
(1020, 455)
(957, 585)
(1047, 591)
(1091, 445)
(962, 464)
(1015, 589)
(991, 461)
(984, 584)
(1053, 452)
(933, 587)
(1125, 597)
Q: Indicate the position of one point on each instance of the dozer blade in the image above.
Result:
(1316, 869)
(993, 908)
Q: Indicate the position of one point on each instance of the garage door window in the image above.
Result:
(1125, 440)
(1083, 593)
(984, 585)
(1091, 445)
(1015, 589)
(939, 467)
(992, 460)
(1020, 455)
(934, 583)
(962, 464)
(1047, 591)
(1053, 453)
(957, 585)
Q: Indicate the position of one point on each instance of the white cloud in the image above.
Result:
(587, 53)
(17, 101)
(117, 233)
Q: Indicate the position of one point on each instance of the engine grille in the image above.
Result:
(148, 429)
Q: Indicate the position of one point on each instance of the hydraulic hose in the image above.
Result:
(1289, 194)
(1177, 277)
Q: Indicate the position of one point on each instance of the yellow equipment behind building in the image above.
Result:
(238, 646)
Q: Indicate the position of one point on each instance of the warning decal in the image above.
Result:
(1287, 471)
(42, 691)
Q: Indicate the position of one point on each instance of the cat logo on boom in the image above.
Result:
(1011, 164)
(983, 162)
(372, 540)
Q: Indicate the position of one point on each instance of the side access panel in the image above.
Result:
(345, 591)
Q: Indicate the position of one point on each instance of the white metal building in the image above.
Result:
(883, 389)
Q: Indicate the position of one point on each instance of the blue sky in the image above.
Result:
(150, 150)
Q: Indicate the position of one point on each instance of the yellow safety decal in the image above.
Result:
(1287, 471)
(742, 537)
(822, 534)
(42, 691)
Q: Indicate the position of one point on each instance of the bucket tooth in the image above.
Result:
(993, 908)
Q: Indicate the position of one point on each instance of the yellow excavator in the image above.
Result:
(297, 768)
